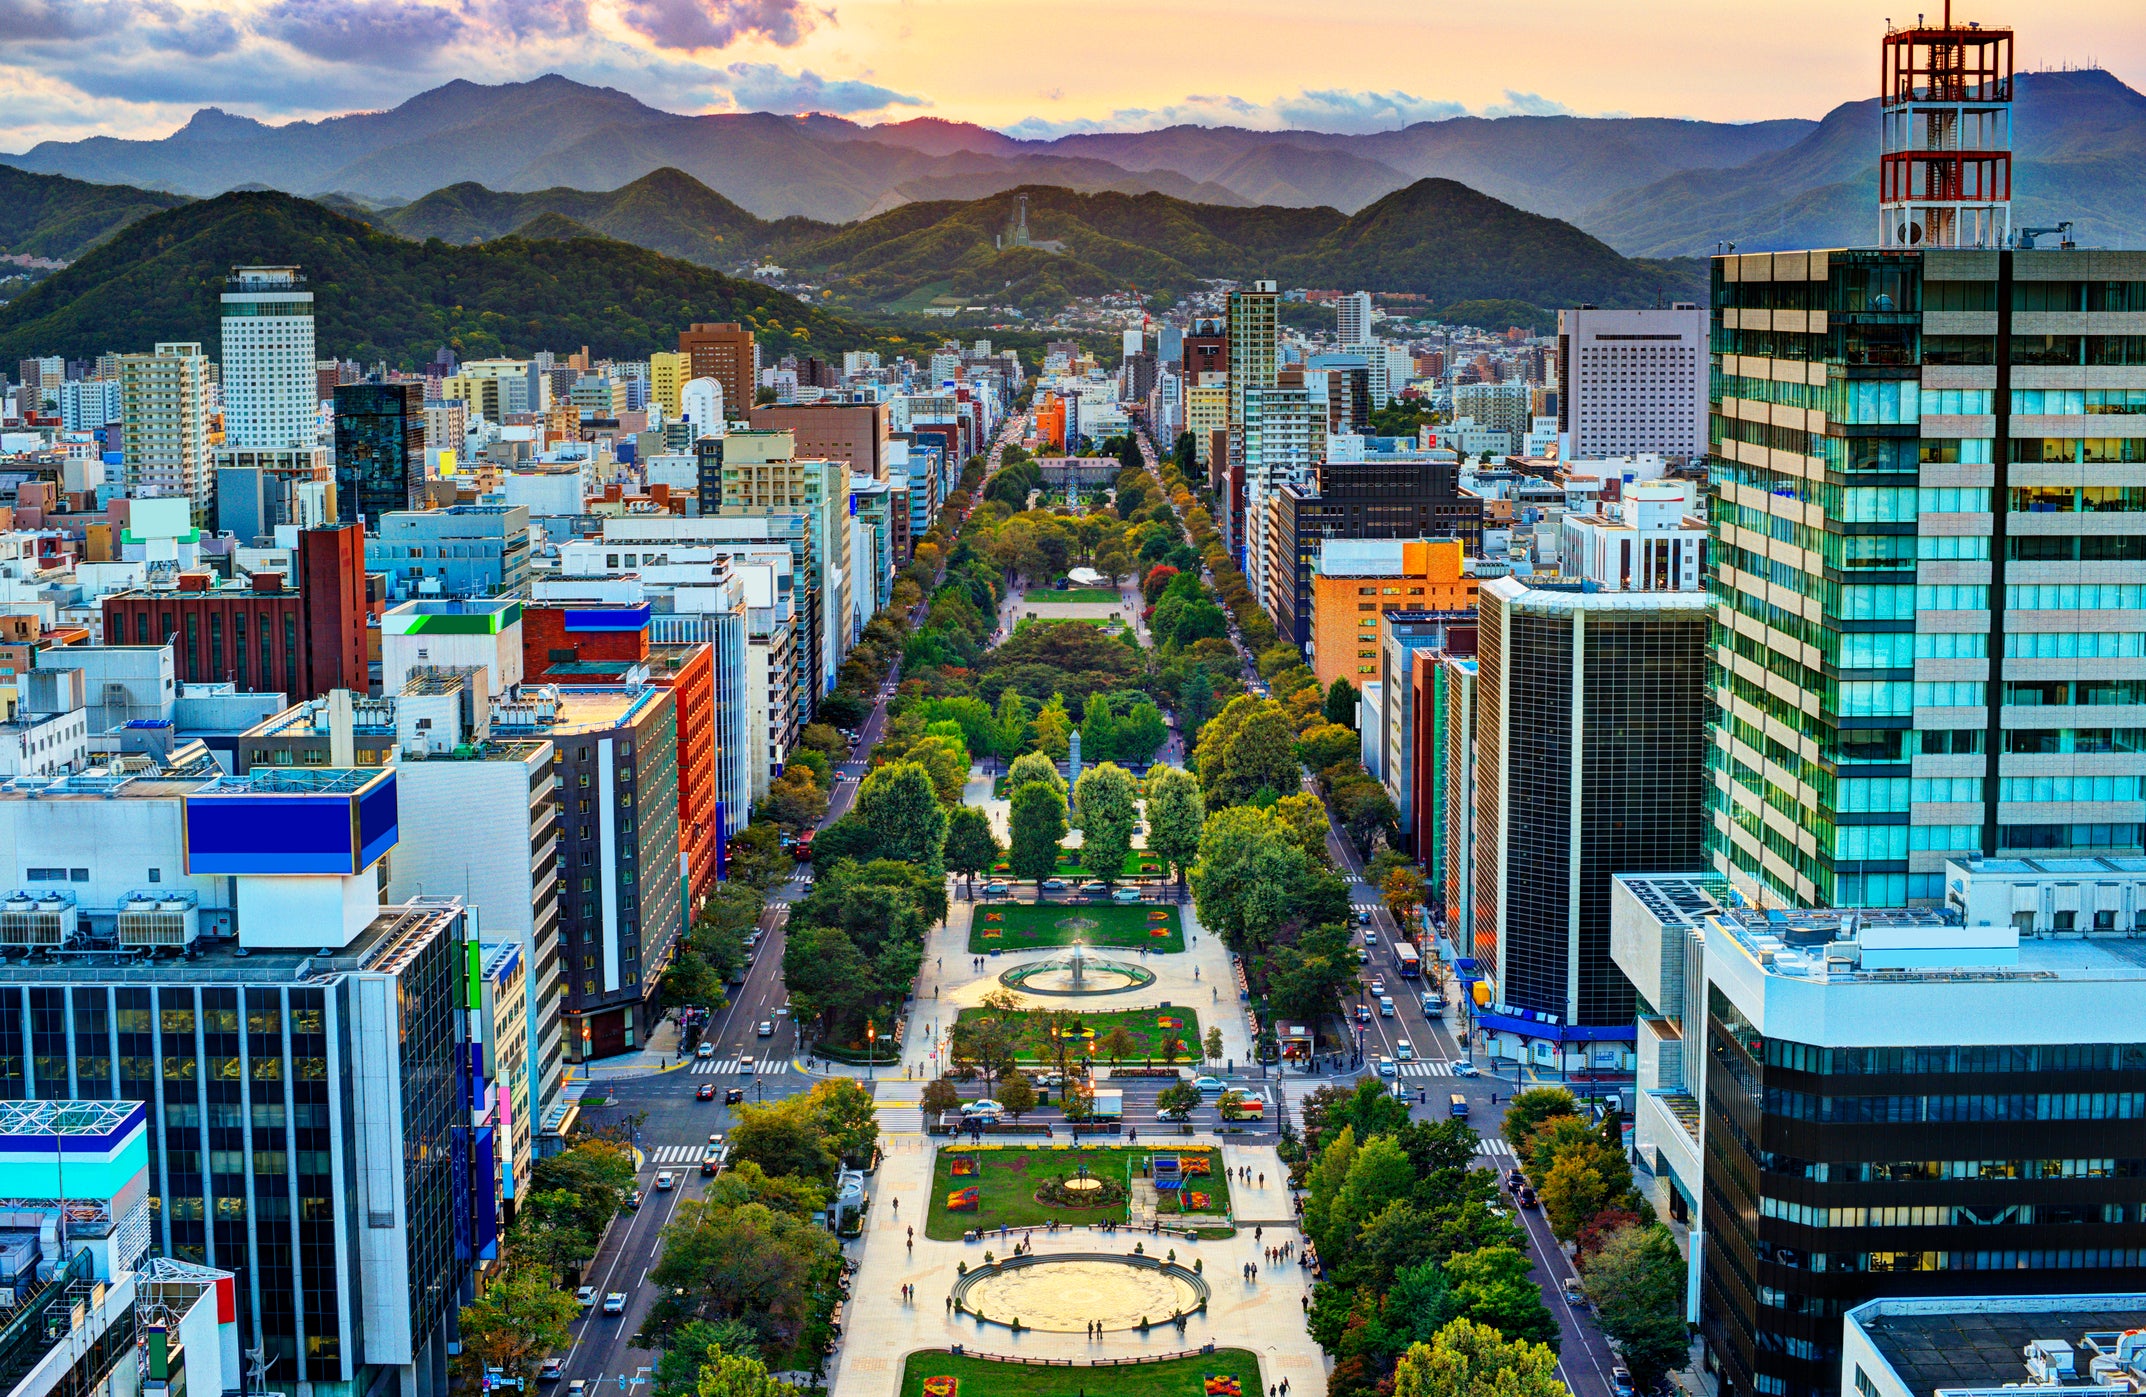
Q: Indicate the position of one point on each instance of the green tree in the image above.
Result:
(828, 977)
(940, 1095)
(1404, 891)
(1196, 698)
(1469, 1359)
(1017, 1096)
(1531, 1108)
(947, 761)
(1175, 813)
(1571, 1192)
(1212, 1047)
(1098, 731)
(1177, 1097)
(762, 1265)
(842, 1108)
(1248, 749)
(1035, 826)
(1491, 1287)
(1636, 1283)
(1140, 734)
(1116, 1045)
(1054, 729)
(739, 1375)
(1247, 875)
(689, 979)
(520, 1316)
(900, 804)
(1011, 728)
(784, 1137)
(1327, 744)
(1032, 767)
(1341, 700)
(1103, 802)
(971, 846)
(678, 1366)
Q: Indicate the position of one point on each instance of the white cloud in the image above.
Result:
(1336, 110)
(763, 87)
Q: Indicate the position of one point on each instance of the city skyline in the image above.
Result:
(67, 75)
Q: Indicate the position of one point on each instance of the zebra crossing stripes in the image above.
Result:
(714, 1066)
(670, 1156)
(1365, 906)
(1494, 1147)
(1416, 1067)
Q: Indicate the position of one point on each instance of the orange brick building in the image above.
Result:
(1355, 581)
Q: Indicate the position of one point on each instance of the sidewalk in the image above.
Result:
(658, 1055)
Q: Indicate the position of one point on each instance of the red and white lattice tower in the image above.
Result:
(1945, 171)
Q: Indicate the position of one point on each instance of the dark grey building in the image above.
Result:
(1591, 760)
(379, 449)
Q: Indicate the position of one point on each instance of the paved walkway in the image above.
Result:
(880, 1329)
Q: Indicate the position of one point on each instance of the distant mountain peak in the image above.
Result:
(216, 124)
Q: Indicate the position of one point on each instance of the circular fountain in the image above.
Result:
(1060, 1294)
(1076, 973)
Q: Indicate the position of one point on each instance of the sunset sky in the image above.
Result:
(75, 68)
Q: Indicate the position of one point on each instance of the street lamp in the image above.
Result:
(871, 1037)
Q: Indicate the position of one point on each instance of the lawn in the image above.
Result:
(1075, 596)
(1180, 1377)
(1007, 1178)
(1024, 926)
(1143, 1024)
(1100, 622)
(1139, 863)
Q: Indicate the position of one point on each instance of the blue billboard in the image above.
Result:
(292, 822)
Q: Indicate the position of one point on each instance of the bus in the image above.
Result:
(1411, 963)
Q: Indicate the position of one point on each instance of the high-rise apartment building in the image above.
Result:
(379, 449)
(1352, 318)
(667, 375)
(1254, 343)
(1278, 442)
(164, 425)
(726, 353)
(1205, 349)
(271, 397)
(1631, 382)
(1928, 565)
(1591, 760)
(1206, 416)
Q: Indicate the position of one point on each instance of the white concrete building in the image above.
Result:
(1648, 540)
(271, 397)
(1632, 381)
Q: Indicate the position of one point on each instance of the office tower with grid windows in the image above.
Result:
(164, 425)
(271, 395)
(1352, 318)
(1631, 382)
(1254, 342)
(1590, 722)
(1929, 564)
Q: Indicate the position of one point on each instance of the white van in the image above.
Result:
(1385, 1006)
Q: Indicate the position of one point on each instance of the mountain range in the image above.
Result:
(380, 296)
(1434, 239)
(1646, 186)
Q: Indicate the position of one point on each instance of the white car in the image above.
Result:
(1385, 1065)
(1378, 984)
(986, 1109)
(767, 1028)
(586, 1295)
(615, 1303)
(1206, 1084)
(1371, 938)
(1465, 1068)
(1404, 1050)
(666, 1181)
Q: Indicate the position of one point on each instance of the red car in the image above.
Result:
(705, 1092)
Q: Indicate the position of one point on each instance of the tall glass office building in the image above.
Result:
(379, 449)
(1929, 518)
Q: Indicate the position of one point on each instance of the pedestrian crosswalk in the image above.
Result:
(731, 1066)
(1364, 906)
(663, 1156)
(1417, 1067)
(1494, 1147)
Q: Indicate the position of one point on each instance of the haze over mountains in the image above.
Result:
(1646, 186)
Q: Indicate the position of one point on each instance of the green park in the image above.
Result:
(1026, 926)
(1021, 1186)
(1146, 1033)
(1229, 1372)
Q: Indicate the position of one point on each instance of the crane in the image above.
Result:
(2024, 238)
